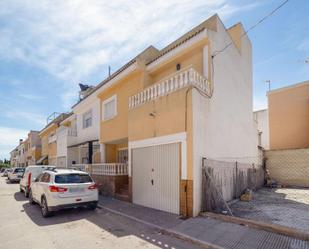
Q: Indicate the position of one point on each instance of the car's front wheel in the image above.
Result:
(44, 208)
(31, 201)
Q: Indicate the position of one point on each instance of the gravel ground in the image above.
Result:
(283, 206)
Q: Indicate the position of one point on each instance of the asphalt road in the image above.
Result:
(23, 227)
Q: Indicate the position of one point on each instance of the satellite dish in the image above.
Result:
(83, 87)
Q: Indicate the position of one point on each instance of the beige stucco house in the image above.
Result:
(167, 109)
(288, 111)
(49, 139)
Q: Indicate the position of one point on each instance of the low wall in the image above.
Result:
(289, 167)
(227, 181)
(109, 185)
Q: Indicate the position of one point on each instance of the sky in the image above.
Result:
(47, 47)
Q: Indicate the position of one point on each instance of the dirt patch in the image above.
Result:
(283, 206)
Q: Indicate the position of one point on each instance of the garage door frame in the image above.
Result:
(174, 138)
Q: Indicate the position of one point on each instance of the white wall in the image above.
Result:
(261, 118)
(223, 126)
(72, 155)
(61, 133)
(90, 133)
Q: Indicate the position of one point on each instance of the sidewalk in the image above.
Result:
(208, 232)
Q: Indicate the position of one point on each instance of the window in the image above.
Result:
(72, 178)
(109, 108)
(123, 156)
(87, 119)
(45, 178)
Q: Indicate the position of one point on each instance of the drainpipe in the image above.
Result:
(90, 152)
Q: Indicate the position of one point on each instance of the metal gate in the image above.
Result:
(156, 176)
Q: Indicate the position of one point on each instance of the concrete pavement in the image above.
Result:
(23, 227)
(120, 225)
(208, 230)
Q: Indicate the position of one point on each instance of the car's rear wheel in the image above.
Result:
(44, 208)
(31, 201)
(92, 206)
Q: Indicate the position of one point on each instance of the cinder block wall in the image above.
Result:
(289, 167)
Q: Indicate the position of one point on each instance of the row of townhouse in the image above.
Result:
(144, 131)
(28, 151)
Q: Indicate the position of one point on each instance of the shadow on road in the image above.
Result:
(117, 225)
(62, 216)
(19, 196)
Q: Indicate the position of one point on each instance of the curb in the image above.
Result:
(291, 232)
(166, 231)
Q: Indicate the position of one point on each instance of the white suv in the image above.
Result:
(16, 174)
(63, 188)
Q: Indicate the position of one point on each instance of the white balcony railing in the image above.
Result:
(81, 167)
(181, 79)
(72, 132)
(52, 139)
(115, 169)
(112, 169)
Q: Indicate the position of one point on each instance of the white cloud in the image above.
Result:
(38, 119)
(71, 39)
(10, 139)
(31, 96)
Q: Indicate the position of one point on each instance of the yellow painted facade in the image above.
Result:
(164, 116)
(117, 127)
(48, 149)
(288, 110)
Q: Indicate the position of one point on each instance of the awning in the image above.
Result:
(41, 160)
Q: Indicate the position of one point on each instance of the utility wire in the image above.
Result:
(252, 27)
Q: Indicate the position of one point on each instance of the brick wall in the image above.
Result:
(109, 185)
(289, 167)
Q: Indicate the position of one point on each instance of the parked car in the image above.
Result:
(2, 170)
(6, 172)
(16, 174)
(63, 188)
(30, 174)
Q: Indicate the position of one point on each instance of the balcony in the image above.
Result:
(72, 132)
(52, 138)
(187, 77)
(108, 169)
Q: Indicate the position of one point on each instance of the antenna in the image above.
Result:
(269, 82)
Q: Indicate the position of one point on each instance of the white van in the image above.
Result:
(30, 174)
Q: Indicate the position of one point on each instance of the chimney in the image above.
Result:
(20, 141)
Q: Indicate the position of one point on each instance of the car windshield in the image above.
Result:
(72, 178)
(19, 170)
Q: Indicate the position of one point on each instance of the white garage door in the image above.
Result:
(155, 176)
